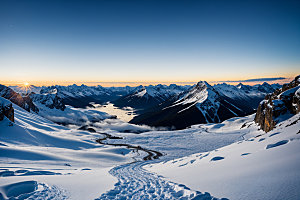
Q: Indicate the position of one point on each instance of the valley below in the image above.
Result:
(124, 114)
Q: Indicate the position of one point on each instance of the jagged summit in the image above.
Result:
(198, 94)
(240, 85)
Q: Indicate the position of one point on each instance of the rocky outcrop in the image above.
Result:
(24, 102)
(279, 105)
(6, 110)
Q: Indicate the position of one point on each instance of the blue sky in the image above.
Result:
(148, 40)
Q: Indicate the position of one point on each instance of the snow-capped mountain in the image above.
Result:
(140, 97)
(24, 102)
(159, 105)
(78, 96)
(265, 87)
(204, 103)
(148, 96)
(81, 96)
(26, 90)
(49, 100)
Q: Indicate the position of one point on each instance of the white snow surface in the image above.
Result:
(232, 159)
(40, 159)
(160, 92)
(262, 166)
(198, 138)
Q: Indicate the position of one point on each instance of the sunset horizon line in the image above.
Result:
(250, 81)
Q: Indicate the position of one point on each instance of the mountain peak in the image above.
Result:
(198, 93)
(202, 84)
(240, 85)
(265, 84)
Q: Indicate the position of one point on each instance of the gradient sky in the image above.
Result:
(148, 40)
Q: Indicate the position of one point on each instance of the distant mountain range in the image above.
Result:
(160, 105)
(145, 97)
(81, 96)
(204, 103)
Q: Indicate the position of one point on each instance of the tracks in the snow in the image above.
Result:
(152, 154)
(134, 182)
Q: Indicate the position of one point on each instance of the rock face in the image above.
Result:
(279, 105)
(6, 110)
(24, 102)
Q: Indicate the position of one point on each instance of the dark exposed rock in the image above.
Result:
(24, 102)
(280, 104)
(6, 110)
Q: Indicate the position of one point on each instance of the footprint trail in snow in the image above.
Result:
(138, 183)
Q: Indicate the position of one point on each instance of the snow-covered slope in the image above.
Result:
(47, 160)
(262, 166)
(232, 159)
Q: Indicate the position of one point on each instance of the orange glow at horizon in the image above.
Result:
(26, 85)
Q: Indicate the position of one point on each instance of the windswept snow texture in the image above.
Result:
(262, 166)
(137, 183)
(62, 163)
